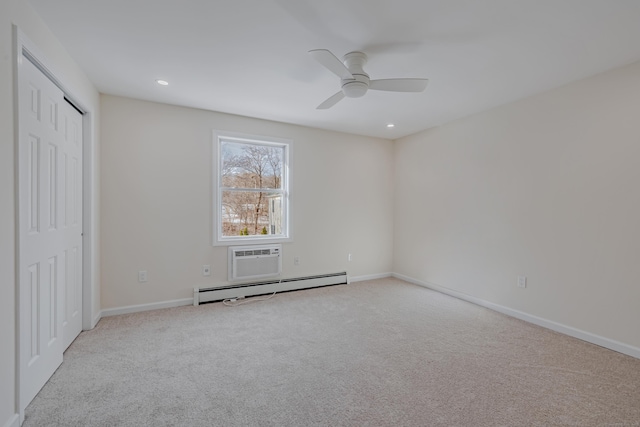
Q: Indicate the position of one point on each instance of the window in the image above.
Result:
(251, 186)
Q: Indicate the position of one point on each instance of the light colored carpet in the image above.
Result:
(376, 353)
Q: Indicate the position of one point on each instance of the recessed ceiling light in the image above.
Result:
(391, 125)
(162, 82)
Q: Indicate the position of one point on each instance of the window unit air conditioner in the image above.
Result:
(254, 262)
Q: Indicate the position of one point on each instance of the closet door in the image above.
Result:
(71, 221)
(50, 229)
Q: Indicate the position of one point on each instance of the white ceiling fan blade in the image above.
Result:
(399, 85)
(333, 64)
(333, 100)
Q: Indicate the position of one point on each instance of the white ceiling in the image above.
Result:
(249, 57)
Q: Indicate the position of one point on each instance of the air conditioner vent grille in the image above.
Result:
(256, 252)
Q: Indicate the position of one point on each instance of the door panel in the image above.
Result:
(40, 296)
(71, 173)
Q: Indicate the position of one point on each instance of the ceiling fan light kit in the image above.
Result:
(355, 81)
(354, 89)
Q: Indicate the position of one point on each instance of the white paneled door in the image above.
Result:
(71, 174)
(50, 227)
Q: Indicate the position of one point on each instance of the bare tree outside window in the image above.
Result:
(251, 178)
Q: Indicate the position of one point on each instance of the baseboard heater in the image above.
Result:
(202, 295)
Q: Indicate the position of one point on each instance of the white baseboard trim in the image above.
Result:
(189, 301)
(146, 307)
(369, 277)
(96, 319)
(549, 324)
(13, 421)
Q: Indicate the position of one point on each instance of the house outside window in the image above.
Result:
(251, 189)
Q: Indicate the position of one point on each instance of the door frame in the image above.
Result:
(23, 46)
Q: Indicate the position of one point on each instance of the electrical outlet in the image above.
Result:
(522, 282)
(206, 270)
(142, 276)
(296, 260)
(349, 258)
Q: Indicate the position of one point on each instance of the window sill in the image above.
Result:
(252, 241)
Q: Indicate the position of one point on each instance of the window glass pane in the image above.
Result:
(246, 165)
(251, 213)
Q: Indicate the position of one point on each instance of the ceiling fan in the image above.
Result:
(355, 81)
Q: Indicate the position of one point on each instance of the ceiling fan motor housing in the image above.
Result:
(358, 86)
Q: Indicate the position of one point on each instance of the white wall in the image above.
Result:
(20, 13)
(546, 188)
(156, 200)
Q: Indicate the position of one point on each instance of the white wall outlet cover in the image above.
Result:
(206, 270)
(522, 282)
(142, 276)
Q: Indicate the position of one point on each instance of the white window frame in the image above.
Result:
(287, 144)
